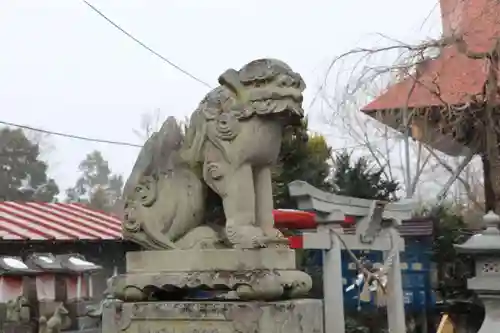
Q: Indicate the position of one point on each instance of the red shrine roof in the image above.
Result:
(452, 76)
(55, 221)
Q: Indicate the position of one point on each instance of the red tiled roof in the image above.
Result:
(56, 221)
(452, 75)
(452, 78)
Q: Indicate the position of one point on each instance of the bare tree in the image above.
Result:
(415, 162)
(150, 123)
(43, 140)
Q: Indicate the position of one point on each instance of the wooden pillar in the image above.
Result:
(333, 294)
(332, 287)
(395, 299)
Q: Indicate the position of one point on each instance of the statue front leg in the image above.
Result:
(264, 203)
(239, 208)
(239, 201)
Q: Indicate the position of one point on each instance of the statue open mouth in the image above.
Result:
(265, 87)
(287, 106)
(277, 100)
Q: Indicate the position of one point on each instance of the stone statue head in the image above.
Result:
(264, 87)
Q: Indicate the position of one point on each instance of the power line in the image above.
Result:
(145, 46)
(71, 136)
(112, 142)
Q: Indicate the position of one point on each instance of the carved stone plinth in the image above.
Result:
(245, 274)
(292, 316)
(210, 260)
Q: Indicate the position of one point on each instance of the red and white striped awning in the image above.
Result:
(55, 221)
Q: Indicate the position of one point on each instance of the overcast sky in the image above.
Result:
(64, 68)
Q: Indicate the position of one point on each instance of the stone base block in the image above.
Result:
(235, 274)
(293, 316)
(16, 328)
(210, 260)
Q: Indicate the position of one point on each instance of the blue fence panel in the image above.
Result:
(415, 265)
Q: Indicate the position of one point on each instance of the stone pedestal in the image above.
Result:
(212, 291)
(17, 328)
(236, 274)
(491, 321)
(291, 316)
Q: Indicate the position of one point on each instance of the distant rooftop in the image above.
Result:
(55, 221)
(452, 77)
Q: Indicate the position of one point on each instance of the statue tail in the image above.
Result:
(164, 198)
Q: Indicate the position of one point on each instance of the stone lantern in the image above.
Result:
(485, 249)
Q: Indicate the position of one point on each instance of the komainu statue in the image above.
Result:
(222, 160)
(17, 310)
(54, 323)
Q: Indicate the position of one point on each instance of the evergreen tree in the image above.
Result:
(302, 157)
(97, 186)
(449, 229)
(361, 180)
(23, 177)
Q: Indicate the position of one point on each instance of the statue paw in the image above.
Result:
(245, 237)
(202, 237)
(275, 239)
(273, 233)
(251, 237)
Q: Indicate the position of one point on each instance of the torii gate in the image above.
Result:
(376, 224)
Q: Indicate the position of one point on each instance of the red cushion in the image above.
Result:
(294, 219)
